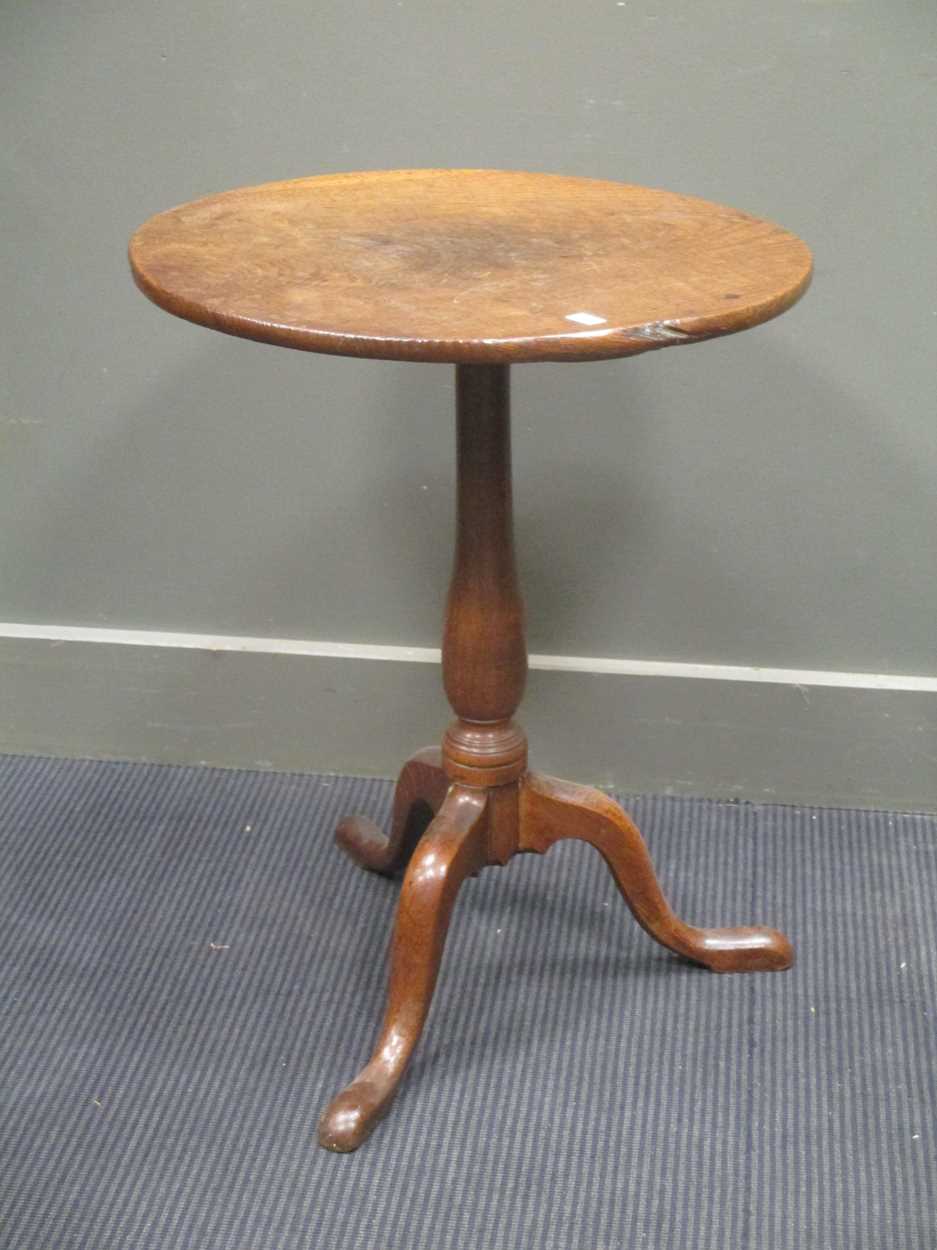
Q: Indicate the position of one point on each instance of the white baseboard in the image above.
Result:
(799, 677)
(775, 735)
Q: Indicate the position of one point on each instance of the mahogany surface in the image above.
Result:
(482, 268)
(467, 265)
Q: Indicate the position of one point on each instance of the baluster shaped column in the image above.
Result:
(484, 649)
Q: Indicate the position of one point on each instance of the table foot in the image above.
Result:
(551, 810)
(453, 848)
(421, 788)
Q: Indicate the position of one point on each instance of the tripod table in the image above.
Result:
(481, 269)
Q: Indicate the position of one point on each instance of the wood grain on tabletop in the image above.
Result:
(467, 266)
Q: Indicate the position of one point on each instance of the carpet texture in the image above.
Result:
(190, 970)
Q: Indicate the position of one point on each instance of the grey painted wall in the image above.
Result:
(764, 499)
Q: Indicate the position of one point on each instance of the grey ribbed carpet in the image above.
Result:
(190, 970)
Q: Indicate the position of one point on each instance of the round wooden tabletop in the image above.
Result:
(467, 266)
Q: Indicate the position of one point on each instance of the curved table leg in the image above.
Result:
(452, 849)
(421, 788)
(552, 810)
